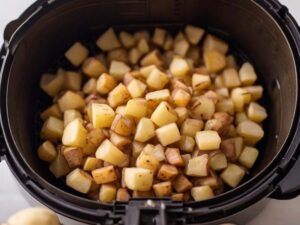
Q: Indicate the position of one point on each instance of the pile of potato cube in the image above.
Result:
(152, 116)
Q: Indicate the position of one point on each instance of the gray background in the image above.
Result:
(276, 213)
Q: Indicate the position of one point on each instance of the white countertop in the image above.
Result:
(276, 213)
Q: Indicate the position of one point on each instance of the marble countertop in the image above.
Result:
(276, 212)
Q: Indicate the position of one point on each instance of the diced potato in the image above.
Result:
(53, 111)
(256, 112)
(198, 166)
(180, 97)
(79, 181)
(248, 157)
(202, 193)
(225, 105)
(194, 34)
(143, 46)
(118, 96)
(137, 148)
(123, 195)
(233, 175)
(186, 158)
(138, 179)
(127, 39)
(194, 54)
(247, 74)
(59, 167)
(250, 131)
(47, 151)
(208, 140)
(52, 84)
(140, 34)
(102, 115)
(118, 69)
(77, 53)
(108, 40)
(231, 62)
(240, 98)
(167, 172)
(118, 140)
(152, 58)
(182, 184)
(70, 100)
(240, 117)
(157, 79)
(93, 67)
(107, 193)
(177, 197)
(201, 82)
(142, 194)
(223, 92)
(218, 82)
(168, 44)
(214, 61)
(212, 43)
(136, 108)
(231, 78)
(191, 126)
(122, 125)
(147, 162)
(74, 134)
(159, 36)
(121, 110)
(104, 175)
(92, 163)
(232, 147)
(105, 83)
(164, 114)
(157, 151)
(136, 88)
(119, 54)
(74, 156)
(146, 70)
(181, 47)
(145, 130)
(95, 136)
(186, 143)
(158, 96)
(90, 86)
(134, 55)
(70, 115)
(182, 114)
(255, 91)
(179, 67)
(179, 37)
(218, 161)
(216, 125)
(173, 157)
(52, 129)
(203, 108)
(162, 189)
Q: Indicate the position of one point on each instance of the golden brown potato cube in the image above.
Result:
(163, 189)
(247, 74)
(159, 36)
(123, 195)
(233, 175)
(214, 61)
(240, 98)
(53, 111)
(179, 67)
(232, 147)
(157, 79)
(152, 58)
(218, 82)
(89, 149)
(167, 172)
(142, 194)
(121, 110)
(250, 131)
(147, 162)
(108, 40)
(224, 117)
(231, 131)
(158, 96)
(59, 167)
(198, 166)
(168, 134)
(137, 148)
(202, 193)
(74, 156)
(181, 47)
(216, 125)
(140, 34)
(136, 88)
(102, 115)
(231, 62)
(218, 161)
(231, 78)
(134, 56)
(186, 158)
(119, 54)
(191, 126)
(105, 83)
(225, 105)
(256, 112)
(93, 67)
(118, 69)
(212, 43)
(177, 197)
(182, 114)
(143, 46)
(157, 151)
(52, 129)
(122, 125)
(182, 184)
(110, 153)
(168, 44)
(107, 193)
(180, 97)
(145, 130)
(240, 117)
(201, 82)
(136, 108)
(118, 96)
(72, 81)
(77, 53)
(95, 136)
(138, 179)
(194, 34)
(70, 115)
(104, 175)
(208, 140)
(127, 39)
(70, 100)
(203, 108)
(248, 157)
(52, 84)
(255, 91)
(173, 157)
(74, 134)
(186, 143)
(146, 70)
(164, 114)
(79, 181)
(223, 92)
(47, 151)
(90, 86)
(118, 140)
(92, 163)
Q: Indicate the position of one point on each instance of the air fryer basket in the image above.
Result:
(48, 28)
